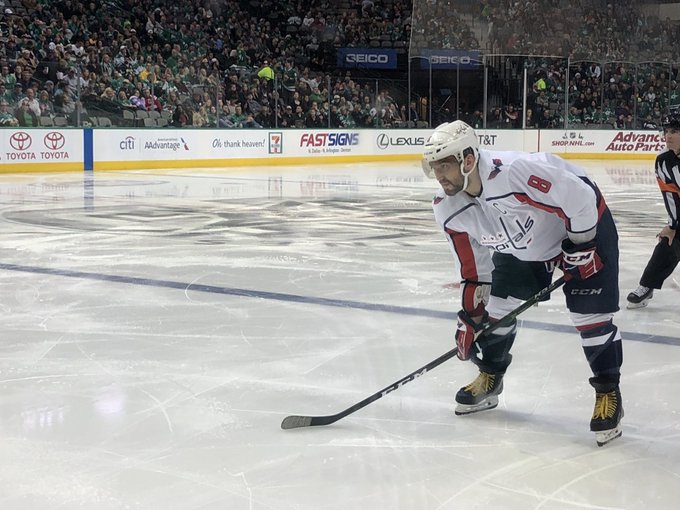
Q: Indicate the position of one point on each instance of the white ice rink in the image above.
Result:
(156, 327)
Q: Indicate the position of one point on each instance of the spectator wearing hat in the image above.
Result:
(286, 117)
(6, 117)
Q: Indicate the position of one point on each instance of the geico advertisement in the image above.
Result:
(142, 145)
(19, 146)
(610, 141)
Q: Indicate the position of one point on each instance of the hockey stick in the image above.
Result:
(292, 422)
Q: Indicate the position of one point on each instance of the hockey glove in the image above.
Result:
(580, 260)
(466, 334)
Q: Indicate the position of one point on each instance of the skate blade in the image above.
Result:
(487, 404)
(607, 436)
(641, 304)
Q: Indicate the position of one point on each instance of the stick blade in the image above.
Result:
(294, 422)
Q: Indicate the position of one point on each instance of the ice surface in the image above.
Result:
(156, 327)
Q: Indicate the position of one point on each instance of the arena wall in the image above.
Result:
(42, 150)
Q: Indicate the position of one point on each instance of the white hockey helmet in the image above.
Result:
(450, 139)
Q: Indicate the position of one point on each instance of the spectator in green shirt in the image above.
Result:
(290, 79)
(25, 115)
(674, 95)
(237, 118)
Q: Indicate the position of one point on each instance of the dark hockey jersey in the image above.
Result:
(667, 169)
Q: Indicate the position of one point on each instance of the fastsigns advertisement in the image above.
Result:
(330, 142)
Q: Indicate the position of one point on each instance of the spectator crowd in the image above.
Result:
(263, 64)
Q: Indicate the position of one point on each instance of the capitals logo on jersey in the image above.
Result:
(497, 164)
(516, 234)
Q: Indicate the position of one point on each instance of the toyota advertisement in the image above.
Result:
(45, 149)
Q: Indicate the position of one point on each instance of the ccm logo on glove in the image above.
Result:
(580, 260)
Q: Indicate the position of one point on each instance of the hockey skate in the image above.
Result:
(640, 297)
(480, 395)
(607, 414)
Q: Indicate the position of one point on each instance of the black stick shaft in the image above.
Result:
(292, 422)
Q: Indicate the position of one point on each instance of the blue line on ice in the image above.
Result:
(294, 298)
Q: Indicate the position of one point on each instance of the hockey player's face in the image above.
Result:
(672, 136)
(449, 176)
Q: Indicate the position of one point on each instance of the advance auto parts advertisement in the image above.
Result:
(601, 141)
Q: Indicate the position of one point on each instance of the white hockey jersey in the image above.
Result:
(528, 204)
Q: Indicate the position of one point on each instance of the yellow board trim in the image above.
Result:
(282, 161)
(200, 163)
(41, 167)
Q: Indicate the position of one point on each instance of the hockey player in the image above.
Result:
(534, 212)
(666, 254)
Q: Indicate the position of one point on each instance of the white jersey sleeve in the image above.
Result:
(552, 184)
(454, 215)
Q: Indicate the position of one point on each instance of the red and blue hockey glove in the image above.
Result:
(580, 260)
(467, 332)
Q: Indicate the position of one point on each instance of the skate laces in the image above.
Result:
(482, 384)
(605, 405)
(641, 290)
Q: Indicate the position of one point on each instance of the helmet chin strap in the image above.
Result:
(466, 176)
